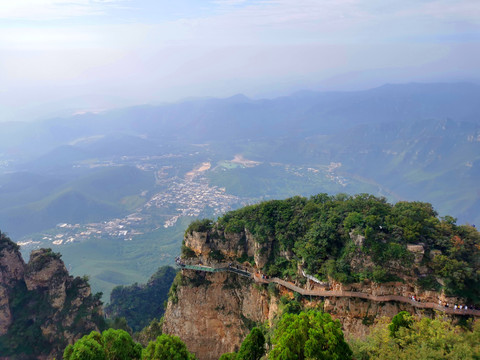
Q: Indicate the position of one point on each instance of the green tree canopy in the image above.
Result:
(328, 235)
(309, 335)
(228, 356)
(418, 339)
(110, 345)
(167, 347)
(402, 319)
(253, 347)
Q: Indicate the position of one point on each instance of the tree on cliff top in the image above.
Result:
(6, 242)
(309, 335)
(328, 234)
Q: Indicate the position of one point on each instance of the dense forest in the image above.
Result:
(139, 304)
(333, 236)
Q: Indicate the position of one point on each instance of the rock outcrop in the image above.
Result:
(12, 269)
(212, 312)
(42, 307)
(229, 245)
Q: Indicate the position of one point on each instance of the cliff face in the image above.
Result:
(212, 312)
(12, 270)
(42, 307)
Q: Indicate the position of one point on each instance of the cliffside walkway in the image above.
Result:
(216, 269)
(329, 293)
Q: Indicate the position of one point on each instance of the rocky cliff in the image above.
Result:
(42, 307)
(213, 312)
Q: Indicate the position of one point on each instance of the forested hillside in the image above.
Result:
(353, 238)
(139, 304)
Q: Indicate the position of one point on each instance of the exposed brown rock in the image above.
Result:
(12, 270)
(230, 245)
(357, 238)
(211, 318)
(60, 297)
(417, 251)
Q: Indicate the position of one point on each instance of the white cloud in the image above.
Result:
(229, 2)
(41, 10)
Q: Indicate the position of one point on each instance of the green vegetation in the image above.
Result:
(97, 195)
(119, 345)
(110, 345)
(140, 304)
(228, 356)
(200, 226)
(402, 320)
(312, 334)
(408, 338)
(179, 280)
(7, 243)
(167, 347)
(309, 335)
(111, 261)
(150, 332)
(253, 347)
(32, 309)
(24, 336)
(42, 259)
(353, 238)
(304, 335)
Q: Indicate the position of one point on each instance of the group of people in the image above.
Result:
(455, 306)
(264, 277)
(448, 305)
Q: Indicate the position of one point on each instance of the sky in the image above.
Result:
(67, 56)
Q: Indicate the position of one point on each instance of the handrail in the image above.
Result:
(313, 278)
(330, 293)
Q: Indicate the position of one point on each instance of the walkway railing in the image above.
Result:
(328, 293)
(215, 269)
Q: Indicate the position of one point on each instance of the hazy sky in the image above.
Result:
(88, 54)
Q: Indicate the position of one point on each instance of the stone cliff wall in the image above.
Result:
(230, 245)
(41, 298)
(12, 270)
(211, 312)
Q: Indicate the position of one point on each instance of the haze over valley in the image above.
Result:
(239, 179)
(114, 191)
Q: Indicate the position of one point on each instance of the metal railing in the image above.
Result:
(329, 293)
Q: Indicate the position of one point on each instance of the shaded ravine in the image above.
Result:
(327, 293)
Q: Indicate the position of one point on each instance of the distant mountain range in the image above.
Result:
(405, 142)
(302, 114)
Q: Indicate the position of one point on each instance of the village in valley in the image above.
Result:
(176, 197)
(189, 197)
